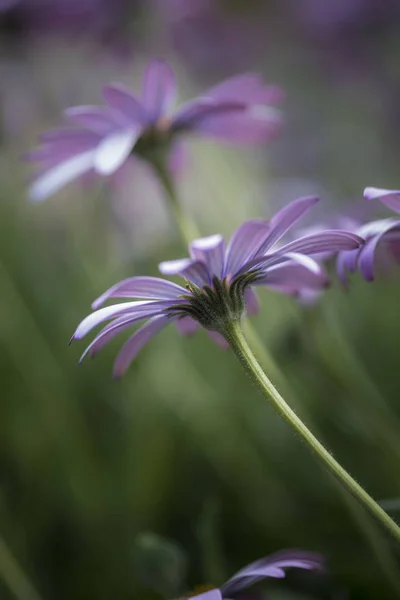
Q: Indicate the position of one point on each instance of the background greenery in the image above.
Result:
(180, 473)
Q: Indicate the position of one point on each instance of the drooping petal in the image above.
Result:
(218, 339)
(126, 103)
(247, 88)
(141, 287)
(95, 118)
(187, 325)
(56, 177)
(294, 276)
(389, 197)
(193, 270)
(211, 251)
(244, 243)
(136, 342)
(283, 220)
(367, 253)
(253, 124)
(333, 240)
(159, 88)
(113, 151)
(110, 331)
(252, 302)
(118, 310)
(272, 566)
(210, 595)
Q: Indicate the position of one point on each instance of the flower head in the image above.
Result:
(271, 566)
(102, 138)
(376, 233)
(218, 281)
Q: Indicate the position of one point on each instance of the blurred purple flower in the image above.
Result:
(219, 282)
(375, 232)
(238, 110)
(272, 566)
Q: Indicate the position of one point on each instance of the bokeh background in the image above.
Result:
(181, 473)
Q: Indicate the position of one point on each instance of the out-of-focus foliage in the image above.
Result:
(182, 456)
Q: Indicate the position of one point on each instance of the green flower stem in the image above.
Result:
(236, 339)
(187, 229)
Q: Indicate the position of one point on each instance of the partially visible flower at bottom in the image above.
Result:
(272, 566)
(376, 233)
(219, 282)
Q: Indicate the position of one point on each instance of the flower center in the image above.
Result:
(217, 305)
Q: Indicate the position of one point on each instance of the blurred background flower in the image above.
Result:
(181, 448)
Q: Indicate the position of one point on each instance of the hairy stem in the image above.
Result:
(236, 339)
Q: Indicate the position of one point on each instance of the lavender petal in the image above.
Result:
(244, 243)
(247, 88)
(210, 251)
(56, 177)
(95, 118)
(136, 342)
(389, 197)
(218, 339)
(193, 270)
(210, 595)
(114, 150)
(126, 103)
(141, 287)
(159, 89)
(367, 253)
(333, 240)
(187, 326)
(252, 302)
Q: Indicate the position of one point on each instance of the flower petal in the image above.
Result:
(244, 243)
(193, 270)
(126, 103)
(346, 261)
(218, 339)
(252, 303)
(113, 151)
(95, 118)
(136, 342)
(141, 287)
(271, 566)
(367, 252)
(187, 325)
(211, 251)
(111, 330)
(248, 88)
(294, 276)
(192, 114)
(389, 197)
(119, 310)
(332, 240)
(55, 178)
(210, 595)
(283, 220)
(159, 88)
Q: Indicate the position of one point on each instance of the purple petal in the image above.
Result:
(159, 88)
(294, 276)
(285, 219)
(119, 310)
(247, 88)
(252, 303)
(389, 197)
(210, 595)
(192, 114)
(95, 118)
(141, 287)
(346, 261)
(111, 330)
(244, 243)
(136, 342)
(254, 124)
(81, 136)
(193, 270)
(114, 150)
(56, 177)
(210, 251)
(121, 99)
(332, 240)
(187, 326)
(367, 252)
(218, 339)
(271, 566)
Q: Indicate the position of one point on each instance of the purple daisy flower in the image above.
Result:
(219, 281)
(238, 110)
(271, 566)
(375, 233)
